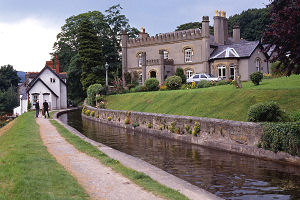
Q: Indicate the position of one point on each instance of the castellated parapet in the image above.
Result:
(190, 34)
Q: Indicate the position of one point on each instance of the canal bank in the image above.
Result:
(164, 178)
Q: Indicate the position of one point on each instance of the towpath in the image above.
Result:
(99, 181)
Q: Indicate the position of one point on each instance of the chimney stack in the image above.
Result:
(143, 33)
(205, 26)
(56, 65)
(236, 34)
(49, 64)
(220, 28)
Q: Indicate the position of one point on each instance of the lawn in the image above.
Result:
(27, 170)
(223, 102)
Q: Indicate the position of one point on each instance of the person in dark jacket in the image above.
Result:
(37, 108)
(45, 107)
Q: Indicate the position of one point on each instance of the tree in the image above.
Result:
(75, 91)
(90, 52)
(284, 33)
(193, 25)
(252, 23)
(8, 77)
(8, 100)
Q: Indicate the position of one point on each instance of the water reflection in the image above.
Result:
(227, 175)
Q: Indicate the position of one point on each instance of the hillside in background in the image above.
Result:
(21, 75)
(223, 102)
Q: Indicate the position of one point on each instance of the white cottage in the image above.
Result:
(49, 85)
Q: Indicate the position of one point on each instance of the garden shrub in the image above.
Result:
(129, 86)
(127, 121)
(222, 82)
(196, 129)
(132, 90)
(256, 77)
(140, 88)
(173, 82)
(149, 125)
(109, 118)
(295, 117)
(93, 113)
(163, 87)
(87, 112)
(203, 84)
(188, 129)
(97, 115)
(281, 137)
(173, 127)
(92, 91)
(135, 124)
(266, 112)
(152, 84)
(179, 72)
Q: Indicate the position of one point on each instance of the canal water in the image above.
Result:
(227, 175)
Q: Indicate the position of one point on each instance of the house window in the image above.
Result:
(35, 98)
(166, 54)
(258, 64)
(153, 74)
(140, 60)
(222, 71)
(188, 73)
(52, 80)
(188, 55)
(232, 72)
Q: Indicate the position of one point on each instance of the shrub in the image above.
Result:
(87, 112)
(127, 121)
(173, 82)
(149, 125)
(132, 90)
(196, 129)
(109, 118)
(256, 77)
(266, 112)
(295, 117)
(140, 88)
(83, 109)
(188, 129)
(152, 84)
(179, 72)
(173, 127)
(203, 84)
(281, 137)
(97, 115)
(129, 86)
(93, 113)
(135, 124)
(92, 91)
(162, 87)
(29, 105)
(222, 82)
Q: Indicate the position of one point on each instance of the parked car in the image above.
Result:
(199, 77)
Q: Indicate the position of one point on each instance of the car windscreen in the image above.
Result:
(196, 76)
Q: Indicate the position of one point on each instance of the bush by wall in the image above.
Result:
(256, 77)
(281, 137)
(266, 112)
(152, 84)
(203, 84)
(173, 82)
(179, 72)
(140, 88)
(92, 91)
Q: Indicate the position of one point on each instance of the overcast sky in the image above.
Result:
(28, 28)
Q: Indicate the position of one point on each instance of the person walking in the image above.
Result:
(37, 108)
(45, 107)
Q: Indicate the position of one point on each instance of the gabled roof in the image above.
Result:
(37, 80)
(46, 67)
(243, 49)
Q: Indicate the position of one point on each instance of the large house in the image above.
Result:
(49, 84)
(195, 51)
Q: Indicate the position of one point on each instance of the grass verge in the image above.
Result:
(139, 178)
(28, 171)
(222, 102)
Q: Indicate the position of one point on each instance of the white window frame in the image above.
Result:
(223, 71)
(35, 98)
(187, 55)
(188, 73)
(52, 80)
(166, 54)
(140, 60)
(258, 64)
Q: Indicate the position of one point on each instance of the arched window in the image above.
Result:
(258, 64)
(232, 72)
(188, 73)
(140, 60)
(166, 54)
(222, 71)
(153, 74)
(188, 55)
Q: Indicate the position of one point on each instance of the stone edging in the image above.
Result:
(228, 135)
(169, 180)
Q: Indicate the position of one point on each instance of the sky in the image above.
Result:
(28, 28)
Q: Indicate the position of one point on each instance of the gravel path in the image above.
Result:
(99, 181)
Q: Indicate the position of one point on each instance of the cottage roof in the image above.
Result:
(243, 49)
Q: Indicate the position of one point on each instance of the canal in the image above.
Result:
(227, 175)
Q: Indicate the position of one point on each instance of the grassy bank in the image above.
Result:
(223, 102)
(27, 170)
(137, 177)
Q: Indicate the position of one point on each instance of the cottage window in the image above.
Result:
(232, 72)
(52, 80)
(222, 71)
(188, 73)
(140, 60)
(188, 55)
(258, 64)
(35, 98)
(166, 54)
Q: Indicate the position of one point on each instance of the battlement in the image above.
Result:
(152, 62)
(190, 34)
